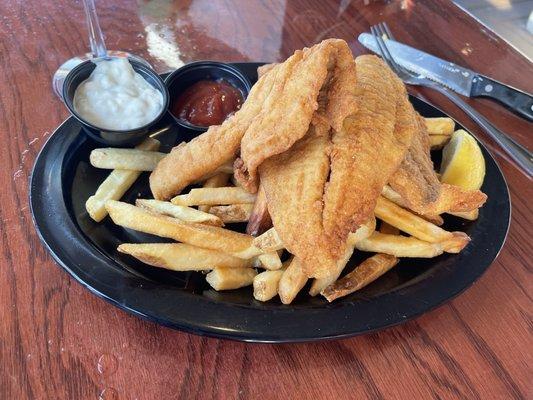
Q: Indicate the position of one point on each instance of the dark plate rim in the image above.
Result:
(347, 309)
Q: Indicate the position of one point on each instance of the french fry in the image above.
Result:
(230, 278)
(292, 281)
(363, 232)
(201, 235)
(367, 272)
(391, 195)
(214, 196)
(388, 229)
(410, 223)
(270, 261)
(115, 185)
(218, 180)
(129, 159)
(320, 284)
(232, 213)
(438, 141)
(266, 284)
(269, 241)
(259, 220)
(452, 242)
(183, 213)
(456, 243)
(440, 126)
(399, 246)
(181, 257)
(468, 215)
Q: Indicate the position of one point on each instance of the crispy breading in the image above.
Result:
(263, 69)
(294, 186)
(188, 162)
(418, 184)
(368, 149)
(365, 273)
(276, 113)
(328, 183)
(260, 220)
(324, 133)
(325, 74)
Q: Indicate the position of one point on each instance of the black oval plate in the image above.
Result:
(63, 179)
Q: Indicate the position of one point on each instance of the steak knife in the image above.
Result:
(459, 79)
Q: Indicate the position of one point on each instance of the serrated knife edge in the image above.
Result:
(398, 50)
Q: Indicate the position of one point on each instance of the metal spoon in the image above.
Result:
(98, 49)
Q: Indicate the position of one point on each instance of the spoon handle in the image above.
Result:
(96, 37)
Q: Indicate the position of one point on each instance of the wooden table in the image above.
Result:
(59, 341)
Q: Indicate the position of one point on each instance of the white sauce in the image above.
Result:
(115, 97)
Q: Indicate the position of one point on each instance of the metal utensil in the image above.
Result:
(96, 37)
(516, 151)
(461, 80)
(98, 49)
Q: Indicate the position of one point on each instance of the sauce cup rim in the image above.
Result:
(187, 68)
(162, 88)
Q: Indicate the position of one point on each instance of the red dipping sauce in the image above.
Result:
(207, 103)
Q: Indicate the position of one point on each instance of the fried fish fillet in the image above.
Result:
(327, 184)
(276, 113)
(263, 69)
(326, 74)
(294, 186)
(368, 149)
(418, 184)
(188, 162)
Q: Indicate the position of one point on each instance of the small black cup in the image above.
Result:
(179, 80)
(106, 136)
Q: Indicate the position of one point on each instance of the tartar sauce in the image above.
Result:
(115, 97)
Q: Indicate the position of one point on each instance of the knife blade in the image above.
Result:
(459, 79)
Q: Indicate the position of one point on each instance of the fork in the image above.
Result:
(516, 151)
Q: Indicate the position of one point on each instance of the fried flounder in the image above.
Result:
(190, 161)
(276, 113)
(294, 187)
(326, 81)
(328, 183)
(368, 149)
(418, 184)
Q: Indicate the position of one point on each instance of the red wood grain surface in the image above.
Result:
(57, 341)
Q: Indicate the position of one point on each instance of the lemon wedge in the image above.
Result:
(462, 162)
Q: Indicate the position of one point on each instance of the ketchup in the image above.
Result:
(207, 103)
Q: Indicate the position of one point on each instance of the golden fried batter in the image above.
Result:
(277, 112)
(368, 149)
(190, 161)
(294, 186)
(325, 74)
(327, 184)
(263, 69)
(324, 133)
(418, 184)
